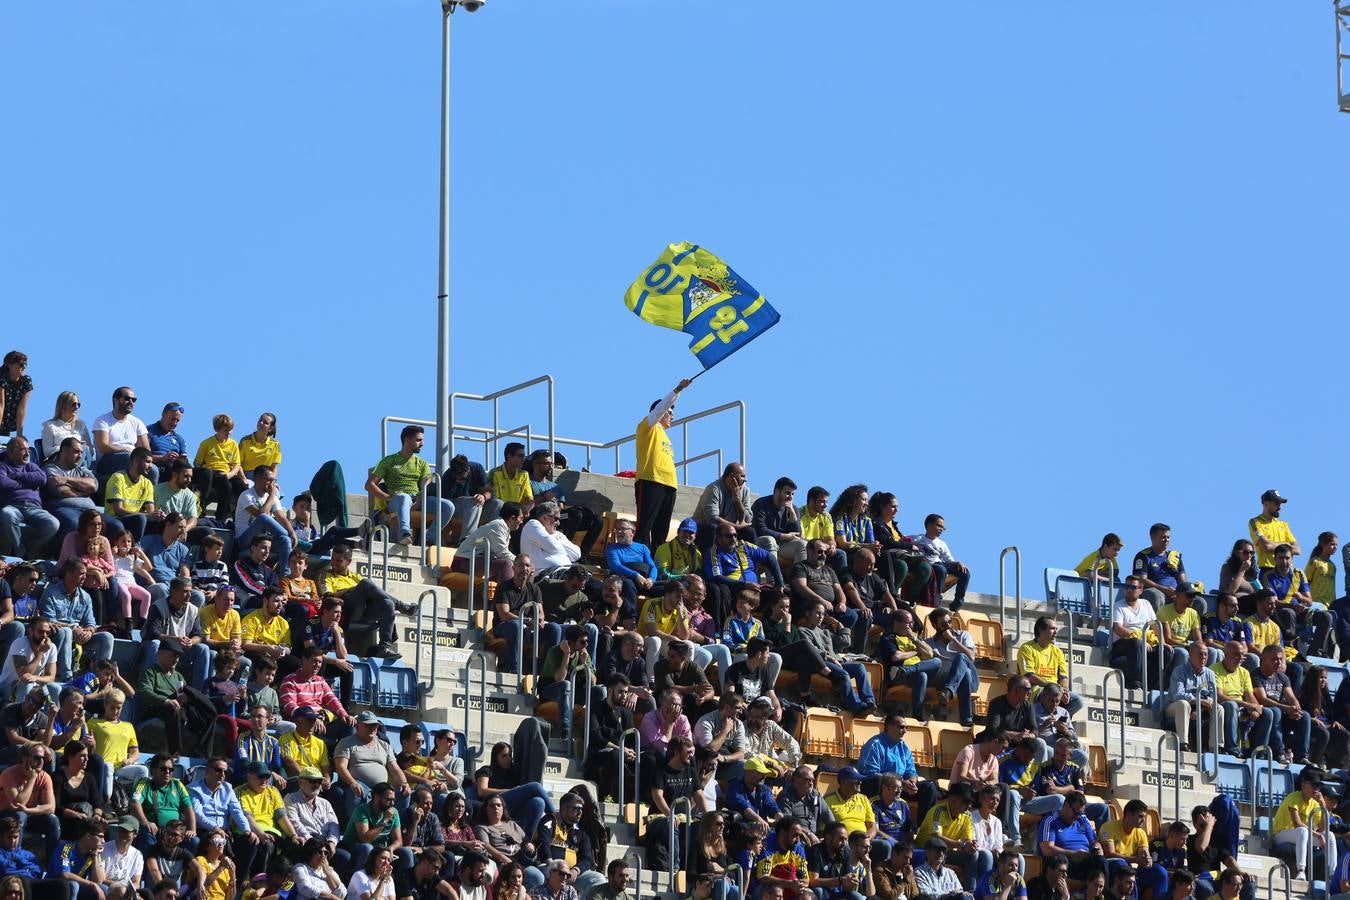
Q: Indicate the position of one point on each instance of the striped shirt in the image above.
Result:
(313, 692)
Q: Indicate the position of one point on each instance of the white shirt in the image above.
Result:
(498, 540)
(125, 867)
(121, 434)
(935, 550)
(242, 517)
(547, 551)
(310, 882)
(1133, 619)
(23, 648)
(54, 431)
(361, 883)
(988, 832)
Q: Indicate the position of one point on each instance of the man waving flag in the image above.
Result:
(693, 290)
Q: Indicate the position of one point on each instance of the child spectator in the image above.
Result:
(217, 474)
(211, 574)
(130, 561)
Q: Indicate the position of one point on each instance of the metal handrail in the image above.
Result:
(481, 656)
(1057, 609)
(726, 876)
(383, 529)
(683, 423)
(1163, 738)
(1214, 730)
(1003, 592)
(589, 681)
(1269, 754)
(1157, 626)
(535, 613)
(494, 398)
(1097, 592)
(683, 464)
(670, 818)
(623, 768)
(435, 633)
(473, 572)
(1327, 869)
(636, 856)
(1119, 677)
(440, 518)
(1270, 880)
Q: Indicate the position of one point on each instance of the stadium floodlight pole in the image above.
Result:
(443, 285)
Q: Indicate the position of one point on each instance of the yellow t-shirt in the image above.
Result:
(263, 806)
(1097, 561)
(220, 888)
(1267, 633)
(816, 526)
(253, 454)
(113, 740)
(1321, 574)
(655, 457)
(1236, 684)
(1308, 808)
(654, 614)
(311, 751)
(218, 456)
(1046, 663)
(1127, 844)
(510, 488)
(133, 495)
(855, 812)
(258, 631)
(907, 645)
(333, 582)
(1180, 624)
(1275, 530)
(939, 821)
(218, 627)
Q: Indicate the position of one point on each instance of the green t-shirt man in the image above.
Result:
(366, 816)
(402, 476)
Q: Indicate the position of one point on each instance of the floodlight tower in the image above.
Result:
(1342, 53)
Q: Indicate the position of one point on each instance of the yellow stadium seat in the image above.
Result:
(823, 733)
(1096, 774)
(826, 783)
(861, 729)
(988, 637)
(949, 738)
(1031, 863)
(920, 741)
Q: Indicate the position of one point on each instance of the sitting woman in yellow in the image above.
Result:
(261, 448)
(217, 474)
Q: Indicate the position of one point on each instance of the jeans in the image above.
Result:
(470, 513)
(46, 825)
(99, 646)
(527, 804)
(550, 635)
(844, 676)
(940, 573)
(1233, 715)
(1049, 804)
(194, 663)
(702, 655)
(721, 654)
(916, 677)
(281, 540)
(563, 693)
(1298, 732)
(25, 528)
(402, 506)
(962, 680)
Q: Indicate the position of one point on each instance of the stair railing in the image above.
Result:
(481, 657)
(383, 530)
(623, 772)
(1115, 675)
(1163, 740)
(1003, 591)
(430, 685)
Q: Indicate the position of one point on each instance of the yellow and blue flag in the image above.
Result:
(693, 290)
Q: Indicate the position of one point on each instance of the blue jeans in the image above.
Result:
(962, 680)
(942, 570)
(281, 541)
(916, 676)
(527, 804)
(975, 865)
(721, 654)
(25, 528)
(563, 693)
(1258, 735)
(194, 663)
(550, 635)
(99, 646)
(1049, 804)
(1299, 732)
(845, 676)
(402, 506)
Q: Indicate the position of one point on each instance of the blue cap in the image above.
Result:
(850, 773)
(689, 525)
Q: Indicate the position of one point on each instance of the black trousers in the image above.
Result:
(214, 487)
(655, 506)
(583, 520)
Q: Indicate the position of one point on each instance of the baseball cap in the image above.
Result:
(366, 717)
(754, 764)
(935, 843)
(310, 773)
(171, 647)
(1273, 496)
(689, 524)
(850, 773)
(305, 711)
(257, 767)
(1186, 587)
(128, 823)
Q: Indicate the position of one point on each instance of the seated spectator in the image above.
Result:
(797, 654)
(817, 524)
(1013, 714)
(217, 808)
(1181, 625)
(977, 763)
(1158, 568)
(723, 732)
(1042, 662)
(1018, 772)
(118, 432)
(366, 603)
(497, 534)
(260, 448)
(679, 673)
(989, 835)
(1268, 531)
(1063, 775)
(510, 482)
(175, 494)
(703, 626)
(908, 660)
(1304, 623)
(262, 804)
(79, 863)
(1330, 740)
(548, 548)
(1133, 632)
(16, 862)
(755, 677)
(27, 794)
(774, 518)
(812, 582)
(257, 746)
(66, 423)
(251, 573)
(663, 723)
(168, 557)
(893, 877)
(166, 444)
(1070, 834)
(131, 495)
(849, 806)
(70, 487)
(665, 619)
(1238, 701)
(259, 510)
(396, 484)
(574, 519)
(1272, 689)
(1225, 626)
(674, 779)
(866, 591)
(306, 688)
(1125, 848)
(956, 648)
(625, 658)
(901, 563)
(843, 673)
(852, 526)
(633, 563)
(1210, 851)
(217, 474)
(1191, 695)
(678, 556)
(527, 803)
(948, 834)
(888, 752)
(465, 485)
(558, 680)
(1238, 575)
(768, 742)
(939, 556)
(834, 876)
(88, 545)
(67, 605)
(312, 817)
(25, 527)
(731, 564)
(116, 744)
(507, 605)
(168, 861)
(782, 871)
(363, 760)
(30, 661)
(1053, 723)
(725, 502)
(265, 631)
(176, 620)
(1266, 632)
(159, 693)
(1100, 565)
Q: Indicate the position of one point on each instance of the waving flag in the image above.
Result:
(693, 290)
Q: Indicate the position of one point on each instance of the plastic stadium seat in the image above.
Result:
(920, 741)
(1097, 774)
(1235, 779)
(395, 685)
(949, 738)
(363, 681)
(862, 729)
(823, 733)
(1066, 589)
(988, 637)
(127, 655)
(826, 783)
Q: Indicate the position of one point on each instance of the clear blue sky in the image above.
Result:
(1051, 272)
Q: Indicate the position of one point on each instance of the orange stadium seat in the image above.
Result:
(823, 733)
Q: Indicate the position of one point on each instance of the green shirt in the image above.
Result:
(365, 817)
(168, 500)
(156, 686)
(402, 476)
(553, 659)
(162, 805)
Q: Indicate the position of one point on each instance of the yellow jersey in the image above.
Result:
(113, 740)
(253, 454)
(218, 456)
(1237, 684)
(939, 821)
(1127, 844)
(1101, 564)
(1046, 663)
(256, 630)
(1272, 529)
(510, 488)
(1180, 624)
(816, 526)
(310, 751)
(133, 494)
(221, 628)
(263, 806)
(654, 614)
(655, 456)
(1321, 574)
(1307, 807)
(855, 812)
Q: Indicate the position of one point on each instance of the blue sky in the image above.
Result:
(1050, 272)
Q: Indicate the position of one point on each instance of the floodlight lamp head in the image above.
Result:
(472, 5)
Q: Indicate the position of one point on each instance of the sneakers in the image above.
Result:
(1301, 875)
(405, 607)
(405, 538)
(388, 651)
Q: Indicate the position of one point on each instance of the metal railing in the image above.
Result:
(1163, 652)
(1003, 591)
(1058, 607)
(1214, 729)
(440, 519)
(535, 613)
(435, 634)
(688, 804)
(1259, 801)
(1119, 678)
(623, 771)
(589, 682)
(494, 398)
(473, 573)
(1270, 881)
(383, 530)
(636, 856)
(1163, 740)
(1097, 593)
(726, 877)
(1327, 867)
(481, 657)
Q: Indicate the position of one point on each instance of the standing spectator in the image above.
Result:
(1321, 573)
(1159, 568)
(901, 562)
(1268, 531)
(15, 386)
(260, 510)
(118, 432)
(654, 488)
(70, 488)
(218, 476)
(725, 502)
(166, 444)
(66, 422)
(130, 494)
(939, 556)
(25, 527)
(774, 518)
(68, 606)
(575, 519)
(1133, 632)
(261, 448)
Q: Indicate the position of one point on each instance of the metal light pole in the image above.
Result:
(443, 285)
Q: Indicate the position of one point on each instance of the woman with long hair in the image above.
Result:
(1321, 572)
(457, 830)
(1238, 574)
(710, 850)
(261, 448)
(15, 386)
(87, 542)
(216, 876)
(66, 423)
(313, 875)
(79, 795)
(1330, 740)
(510, 883)
(527, 803)
(852, 525)
(505, 839)
(900, 562)
(592, 824)
(374, 880)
